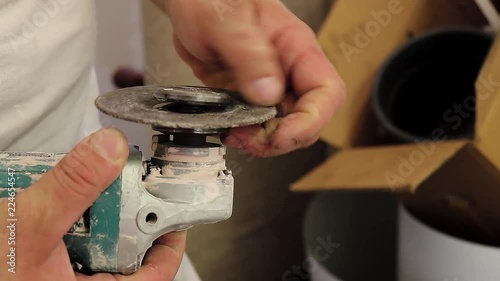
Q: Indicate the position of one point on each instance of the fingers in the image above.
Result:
(301, 126)
(251, 56)
(163, 259)
(161, 263)
(297, 130)
(95, 277)
(261, 41)
(234, 39)
(305, 63)
(212, 75)
(316, 85)
(51, 206)
(254, 140)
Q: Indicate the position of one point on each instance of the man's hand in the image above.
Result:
(259, 48)
(46, 210)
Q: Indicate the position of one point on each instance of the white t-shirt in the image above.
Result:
(47, 81)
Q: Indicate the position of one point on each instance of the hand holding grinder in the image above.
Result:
(184, 184)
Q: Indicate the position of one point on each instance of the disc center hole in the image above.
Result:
(192, 108)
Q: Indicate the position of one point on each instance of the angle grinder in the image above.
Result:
(185, 182)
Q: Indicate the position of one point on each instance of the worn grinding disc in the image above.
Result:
(196, 109)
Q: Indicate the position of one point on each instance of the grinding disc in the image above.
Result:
(159, 107)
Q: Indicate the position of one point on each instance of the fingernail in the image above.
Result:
(109, 143)
(287, 145)
(232, 142)
(266, 90)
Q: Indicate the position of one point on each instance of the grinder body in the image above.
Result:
(184, 186)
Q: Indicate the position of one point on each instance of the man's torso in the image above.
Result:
(47, 83)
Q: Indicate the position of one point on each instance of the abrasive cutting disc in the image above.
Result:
(187, 108)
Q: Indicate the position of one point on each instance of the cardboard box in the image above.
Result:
(455, 184)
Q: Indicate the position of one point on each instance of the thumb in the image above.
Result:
(55, 202)
(247, 50)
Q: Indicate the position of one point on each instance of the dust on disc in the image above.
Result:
(139, 105)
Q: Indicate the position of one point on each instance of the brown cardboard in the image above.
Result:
(488, 106)
(341, 38)
(456, 183)
(388, 167)
(462, 197)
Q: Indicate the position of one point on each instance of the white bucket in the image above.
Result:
(349, 236)
(429, 255)
(320, 273)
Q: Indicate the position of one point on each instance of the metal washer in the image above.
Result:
(139, 105)
(193, 95)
